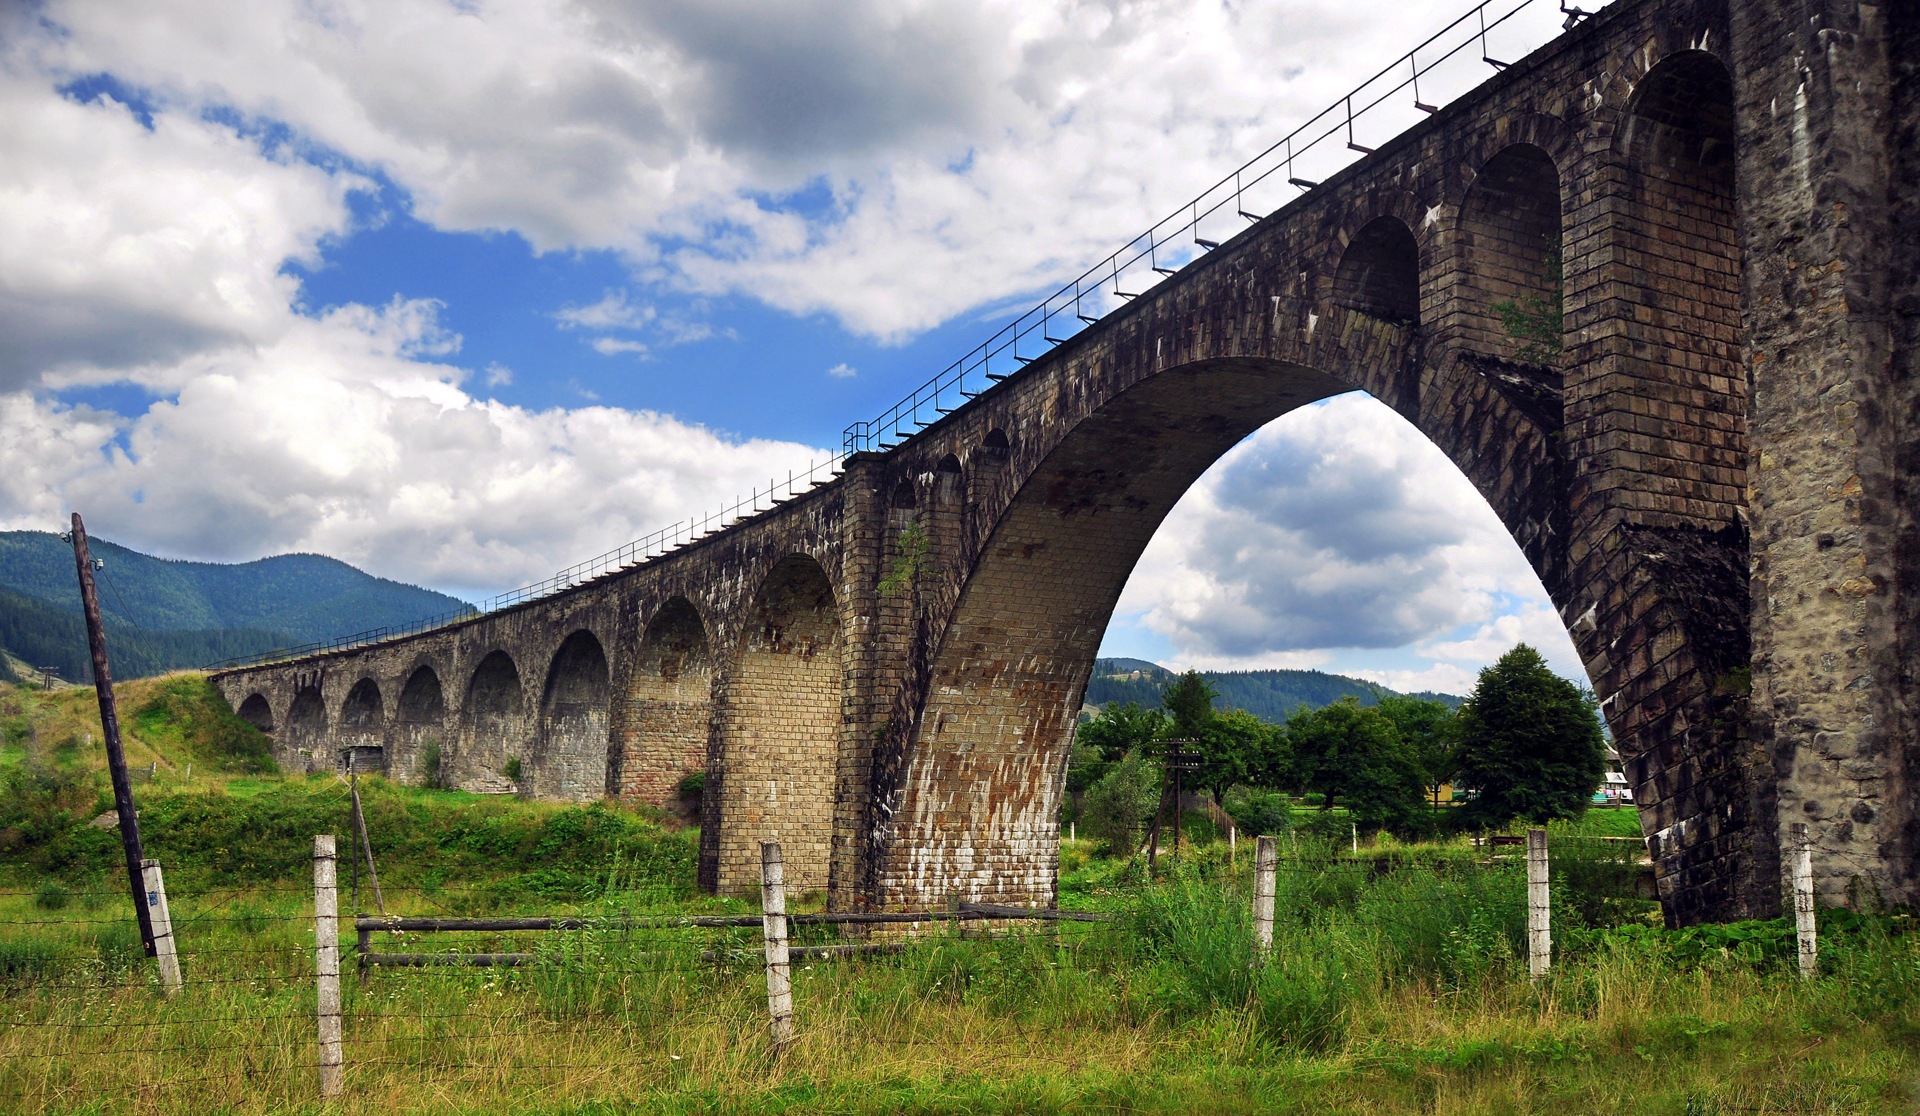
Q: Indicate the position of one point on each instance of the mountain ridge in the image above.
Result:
(1270, 695)
(167, 613)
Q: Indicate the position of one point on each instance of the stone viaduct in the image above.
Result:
(1715, 479)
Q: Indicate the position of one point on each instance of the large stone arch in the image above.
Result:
(361, 737)
(570, 758)
(780, 728)
(419, 733)
(669, 705)
(493, 726)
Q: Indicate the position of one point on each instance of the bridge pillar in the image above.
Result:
(1827, 95)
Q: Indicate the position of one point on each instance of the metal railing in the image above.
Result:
(1177, 238)
(1162, 250)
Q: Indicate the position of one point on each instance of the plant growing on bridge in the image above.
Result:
(1538, 322)
(909, 561)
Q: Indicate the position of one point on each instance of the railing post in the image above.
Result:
(1539, 908)
(1803, 921)
(773, 922)
(162, 922)
(1266, 862)
(326, 962)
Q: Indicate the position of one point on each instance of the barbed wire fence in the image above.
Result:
(285, 1000)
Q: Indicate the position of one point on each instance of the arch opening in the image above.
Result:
(669, 706)
(995, 447)
(1379, 273)
(257, 712)
(419, 733)
(1510, 237)
(782, 727)
(493, 727)
(975, 808)
(362, 729)
(571, 758)
(306, 734)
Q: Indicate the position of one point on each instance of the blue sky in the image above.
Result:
(466, 292)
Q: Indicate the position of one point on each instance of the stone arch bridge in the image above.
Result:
(1714, 478)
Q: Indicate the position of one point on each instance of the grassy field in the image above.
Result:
(1397, 983)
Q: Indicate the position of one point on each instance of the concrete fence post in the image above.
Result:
(164, 949)
(773, 922)
(1266, 861)
(1803, 920)
(1539, 906)
(326, 961)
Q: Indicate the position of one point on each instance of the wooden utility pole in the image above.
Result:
(110, 726)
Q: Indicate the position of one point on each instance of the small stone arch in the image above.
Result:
(258, 712)
(570, 760)
(306, 733)
(669, 705)
(1379, 273)
(1510, 245)
(419, 731)
(995, 448)
(493, 728)
(363, 728)
(949, 482)
(780, 731)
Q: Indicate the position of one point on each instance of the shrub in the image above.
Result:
(430, 763)
(693, 785)
(52, 896)
(512, 769)
(1259, 812)
(1118, 806)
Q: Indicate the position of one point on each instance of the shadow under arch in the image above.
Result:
(419, 729)
(493, 726)
(363, 723)
(258, 712)
(974, 807)
(306, 731)
(669, 706)
(780, 720)
(570, 757)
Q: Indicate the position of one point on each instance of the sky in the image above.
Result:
(465, 291)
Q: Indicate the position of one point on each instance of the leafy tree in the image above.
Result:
(1431, 731)
(1530, 744)
(1238, 748)
(1120, 729)
(1118, 806)
(1188, 701)
(1352, 754)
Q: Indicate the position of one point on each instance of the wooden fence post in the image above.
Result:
(1803, 921)
(326, 961)
(1266, 861)
(1539, 906)
(162, 923)
(773, 922)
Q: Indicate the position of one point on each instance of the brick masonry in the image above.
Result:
(1715, 480)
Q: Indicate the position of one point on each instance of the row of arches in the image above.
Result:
(780, 721)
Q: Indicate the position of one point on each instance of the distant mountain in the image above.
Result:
(162, 614)
(1268, 694)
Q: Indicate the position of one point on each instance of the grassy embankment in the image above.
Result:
(1394, 987)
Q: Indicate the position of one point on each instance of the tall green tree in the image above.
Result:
(1530, 744)
(1105, 740)
(1238, 748)
(1430, 729)
(1188, 701)
(1351, 754)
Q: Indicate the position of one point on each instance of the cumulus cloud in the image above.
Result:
(335, 439)
(843, 371)
(891, 165)
(1340, 526)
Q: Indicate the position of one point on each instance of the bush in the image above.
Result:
(1259, 813)
(1118, 806)
(52, 896)
(512, 769)
(693, 785)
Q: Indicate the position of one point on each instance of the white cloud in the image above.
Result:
(1337, 528)
(949, 154)
(614, 346)
(613, 311)
(843, 371)
(334, 439)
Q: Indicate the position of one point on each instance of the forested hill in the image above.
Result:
(1268, 694)
(163, 614)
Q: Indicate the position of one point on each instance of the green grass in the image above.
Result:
(1396, 984)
